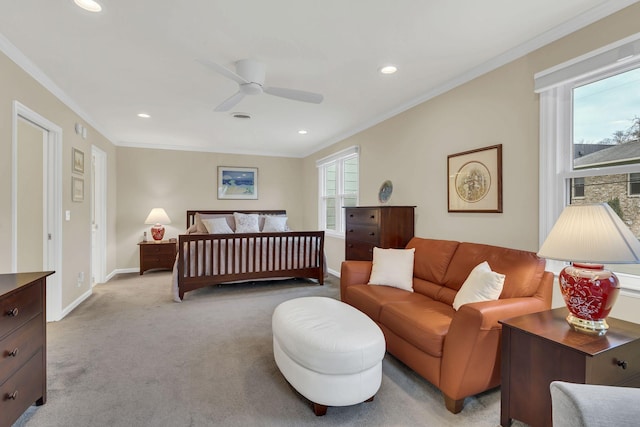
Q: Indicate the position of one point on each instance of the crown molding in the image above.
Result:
(589, 17)
(39, 76)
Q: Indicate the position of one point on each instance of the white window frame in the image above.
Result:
(555, 88)
(629, 192)
(338, 159)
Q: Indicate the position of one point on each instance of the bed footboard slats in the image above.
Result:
(217, 258)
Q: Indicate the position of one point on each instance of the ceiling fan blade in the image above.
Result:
(224, 71)
(230, 102)
(297, 95)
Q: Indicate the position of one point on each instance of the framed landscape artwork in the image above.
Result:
(475, 180)
(78, 161)
(237, 183)
(77, 189)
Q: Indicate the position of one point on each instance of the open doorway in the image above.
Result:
(37, 200)
(98, 215)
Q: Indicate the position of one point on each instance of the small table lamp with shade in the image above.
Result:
(158, 217)
(589, 236)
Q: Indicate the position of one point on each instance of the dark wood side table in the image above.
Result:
(157, 254)
(541, 347)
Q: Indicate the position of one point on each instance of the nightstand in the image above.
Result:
(541, 347)
(157, 255)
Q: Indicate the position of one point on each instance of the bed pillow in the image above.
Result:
(217, 225)
(246, 223)
(393, 267)
(481, 285)
(275, 224)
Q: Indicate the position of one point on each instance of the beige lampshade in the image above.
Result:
(157, 216)
(591, 233)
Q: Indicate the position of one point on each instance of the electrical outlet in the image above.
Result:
(80, 278)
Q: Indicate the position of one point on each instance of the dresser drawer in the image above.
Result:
(618, 366)
(362, 216)
(18, 347)
(21, 390)
(159, 249)
(363, 233)
(359, 250)
(18, 308)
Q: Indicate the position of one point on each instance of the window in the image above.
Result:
(590, 138)
(338, 179)
(634, 184)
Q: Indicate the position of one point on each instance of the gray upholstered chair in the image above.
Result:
(583, 405)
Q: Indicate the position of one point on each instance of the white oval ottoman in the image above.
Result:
(330, 352)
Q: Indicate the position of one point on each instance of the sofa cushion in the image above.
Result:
(420, 321)
(481, 285)
(392, 267)
(523, 269)
(432, 258)
(370, 299)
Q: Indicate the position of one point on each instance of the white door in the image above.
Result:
(98, 215)
(37, 200)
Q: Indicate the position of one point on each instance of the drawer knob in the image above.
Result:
(14, 353)
(372, 216)
(372, 234)
(13, 396)
(622, 364)
(13, 313)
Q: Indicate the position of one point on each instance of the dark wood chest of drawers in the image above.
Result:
(160, 255)
(381, 226)
(541, 347)
(23, 354)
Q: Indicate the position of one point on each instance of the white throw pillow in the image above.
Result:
(393, 267)
(481, 285)
(246, 223)
(217, 225)
(274, 224)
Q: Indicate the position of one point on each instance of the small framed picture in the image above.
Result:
(77, 161)
(237, 183)
(475, 180)
(77, 189)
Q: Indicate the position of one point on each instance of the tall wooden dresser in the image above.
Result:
(23, 337)
(381, 226)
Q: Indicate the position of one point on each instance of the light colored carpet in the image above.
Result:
(130, 356)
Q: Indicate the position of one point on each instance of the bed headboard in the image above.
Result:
(191, 215)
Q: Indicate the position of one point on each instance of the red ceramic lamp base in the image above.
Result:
(589, 292)
(157, 231)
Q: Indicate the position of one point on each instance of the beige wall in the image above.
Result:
(76, 237)
(181, 180)
(499, 107)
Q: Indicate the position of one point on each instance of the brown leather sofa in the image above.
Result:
(457, 351)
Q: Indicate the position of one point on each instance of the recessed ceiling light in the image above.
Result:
(302, 132)
(388, 69)
(90, 5)
(144, 115)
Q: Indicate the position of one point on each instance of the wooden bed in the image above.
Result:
(209, 259)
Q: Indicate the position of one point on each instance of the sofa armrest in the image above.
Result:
(586, 405)
(354, 273)
(471, 355)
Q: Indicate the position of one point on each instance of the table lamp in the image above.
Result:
(158, 217)
(589, 236)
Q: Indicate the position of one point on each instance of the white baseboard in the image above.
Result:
(117, 271)
(333, 272)
(68, 309)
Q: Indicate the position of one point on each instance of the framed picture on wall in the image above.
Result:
(77, 161)
(77, 189)
(475, 180)
(237, 183)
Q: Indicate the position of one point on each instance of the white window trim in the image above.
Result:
(554, 86)
(338, 156)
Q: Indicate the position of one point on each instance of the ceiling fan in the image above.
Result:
(250, 76)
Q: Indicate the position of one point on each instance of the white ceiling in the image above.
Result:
(143, 56)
